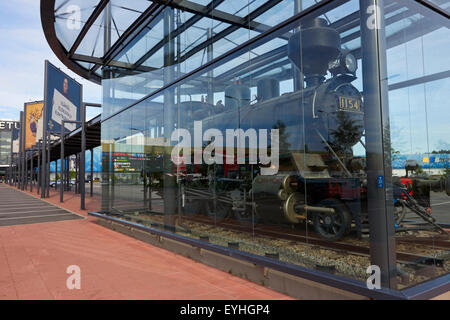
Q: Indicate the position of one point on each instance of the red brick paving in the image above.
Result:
(34, 259)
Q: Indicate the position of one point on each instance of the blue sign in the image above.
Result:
(380, 182)
(97, 162)
(434, 161)
(62, 98)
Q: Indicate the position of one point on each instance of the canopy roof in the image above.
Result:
(128, 35)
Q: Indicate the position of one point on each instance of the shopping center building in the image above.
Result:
(7, 147)
(259, 136)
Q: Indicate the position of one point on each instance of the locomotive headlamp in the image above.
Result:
(346, 63)
(350, 63)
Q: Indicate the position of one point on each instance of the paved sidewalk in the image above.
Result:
(34, 259)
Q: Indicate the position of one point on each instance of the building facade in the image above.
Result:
(269, 129)
(6, 146)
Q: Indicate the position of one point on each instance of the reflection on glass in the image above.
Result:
(419, 142)
(264, 150)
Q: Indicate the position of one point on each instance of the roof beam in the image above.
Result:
(48, 26)
(435, 7)
(178, 31)
(130, 34)
(210, 12)
(113, 63)
(135, 29)
(236, 22)
(246, 20)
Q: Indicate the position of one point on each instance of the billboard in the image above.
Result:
(426, 161)
(62, 98)
(34, 123)
(15, 136)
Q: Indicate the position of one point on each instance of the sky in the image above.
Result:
(23, 50)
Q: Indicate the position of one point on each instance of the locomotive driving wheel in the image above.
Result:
(218, 212)
(332, 226)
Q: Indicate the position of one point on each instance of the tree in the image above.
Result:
(346, 134)
(394, 154)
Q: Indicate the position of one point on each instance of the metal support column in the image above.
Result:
(209, 57)
(22, 147)
(83, 156)
(297, 74)
(68, 177)
(77, 172)
(25, 185)
(31, 170)
(108, 91)
(170, 116)
(38, 185)
(11, 156)
(377, 140)
(14, 173)
(43, 163)
(61, 175)
(56, 173)
(47, 181)
(92, 172)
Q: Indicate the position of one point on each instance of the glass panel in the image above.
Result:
(93, 43)
(191, 32)
(264, 150)
(70, 17)
(240, 8)
(264, 155)
(420, 145)
(442, 4)
(124, 13)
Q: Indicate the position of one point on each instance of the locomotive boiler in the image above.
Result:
(319, 181)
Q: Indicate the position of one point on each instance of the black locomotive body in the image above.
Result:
(319, 180)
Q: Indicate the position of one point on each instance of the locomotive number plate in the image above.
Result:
(349, 104)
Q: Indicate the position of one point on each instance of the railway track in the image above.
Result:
(342, 246)
(300, 237)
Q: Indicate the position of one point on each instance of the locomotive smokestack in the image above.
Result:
(313, 48)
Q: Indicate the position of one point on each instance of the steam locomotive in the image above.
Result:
(319, 181)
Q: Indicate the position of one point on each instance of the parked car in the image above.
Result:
(53, 184)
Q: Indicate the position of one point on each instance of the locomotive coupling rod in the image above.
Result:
(318, 209)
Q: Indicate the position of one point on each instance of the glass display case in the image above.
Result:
(312, 133)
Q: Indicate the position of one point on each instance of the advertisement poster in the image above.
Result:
(63, 109)
(15, 140)
(63, 98)
(34, 123)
